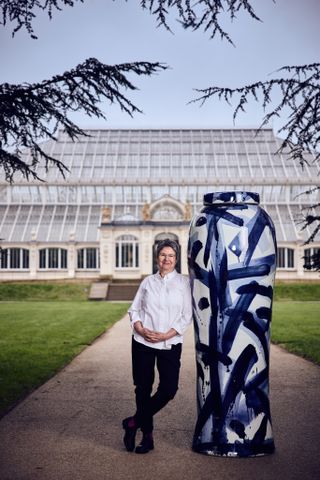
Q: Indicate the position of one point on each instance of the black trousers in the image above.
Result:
(144, 359)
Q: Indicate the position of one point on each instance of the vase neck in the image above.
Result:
(235, 197)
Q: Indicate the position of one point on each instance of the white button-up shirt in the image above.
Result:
(162, 303)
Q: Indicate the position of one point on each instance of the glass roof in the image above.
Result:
(124, 169)
(105, 156)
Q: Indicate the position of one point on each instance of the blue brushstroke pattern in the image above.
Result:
(230, 291)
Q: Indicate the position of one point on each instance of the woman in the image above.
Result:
(160, 313)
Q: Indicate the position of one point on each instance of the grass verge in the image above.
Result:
(306, 292)
(296, 327)
(43, 291)
(38, 339)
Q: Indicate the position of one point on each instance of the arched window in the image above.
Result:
(310, 255)
(14, 258)
(285, 257)
(88, 258)
(53, 258)
(127, 252)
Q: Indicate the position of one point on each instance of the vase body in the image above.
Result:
(232, 261)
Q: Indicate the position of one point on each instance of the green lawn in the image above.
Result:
(304, 292)
(296, 326)
(38, 338)
(43, 326)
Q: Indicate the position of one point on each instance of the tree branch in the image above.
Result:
(300, 92)
(29, 113)
(205, 14)
(299, 89)
(22, 12)
(202, 14)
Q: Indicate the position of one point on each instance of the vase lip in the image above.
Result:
(231, 197)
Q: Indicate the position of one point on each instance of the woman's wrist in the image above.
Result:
(138, 327)
(171, 333)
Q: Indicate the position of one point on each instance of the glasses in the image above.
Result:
(170, 255)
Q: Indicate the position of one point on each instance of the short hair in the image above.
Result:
(168, 243)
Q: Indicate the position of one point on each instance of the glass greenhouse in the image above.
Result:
(126, 189)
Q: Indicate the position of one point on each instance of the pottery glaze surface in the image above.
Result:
(232, 261)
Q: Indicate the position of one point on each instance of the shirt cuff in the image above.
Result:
(177, 328)
(134, 316)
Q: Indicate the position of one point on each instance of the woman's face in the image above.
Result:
(166, 260)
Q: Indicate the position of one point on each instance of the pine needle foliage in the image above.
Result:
(33, 112)
(299, 88)
(24, 12)
(300, 93)
(202, 14)
(205, 14)
(29, 113)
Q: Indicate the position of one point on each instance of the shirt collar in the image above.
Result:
(168, 276)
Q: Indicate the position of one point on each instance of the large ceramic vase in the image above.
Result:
(232, 260)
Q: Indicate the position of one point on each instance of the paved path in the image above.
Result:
(69, 429)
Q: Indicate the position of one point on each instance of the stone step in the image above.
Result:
(98, 291)
(122, 291)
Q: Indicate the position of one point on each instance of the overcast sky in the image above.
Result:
(119, 31)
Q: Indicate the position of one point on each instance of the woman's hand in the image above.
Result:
(148, 335)
(152, 336)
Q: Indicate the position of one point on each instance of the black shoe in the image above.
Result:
(146, 444)
(129, 438)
